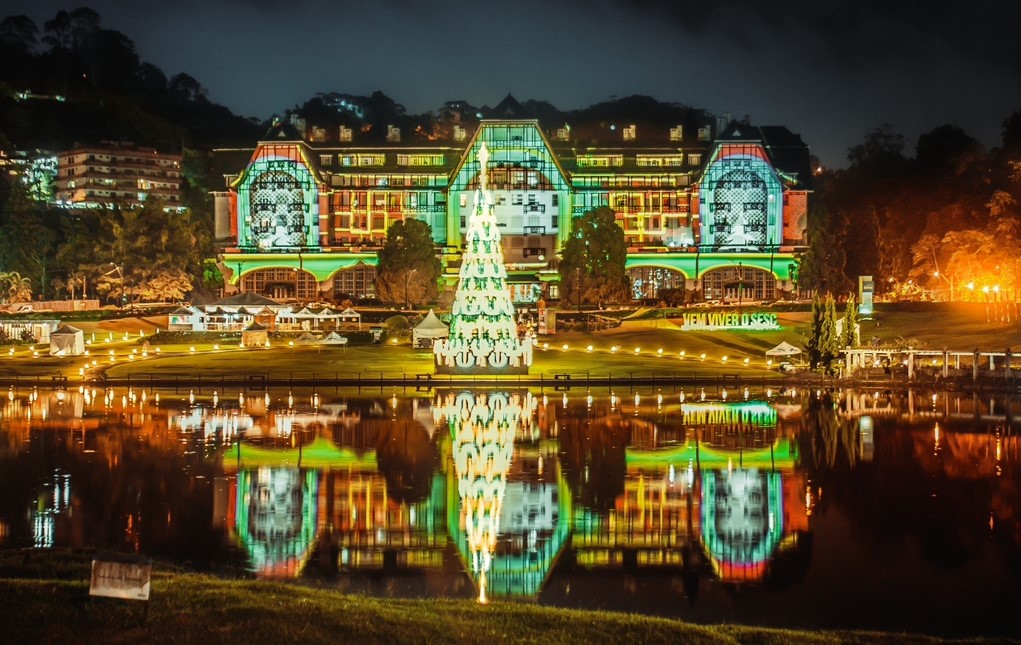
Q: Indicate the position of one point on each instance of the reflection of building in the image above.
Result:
(707, 478)
(276, 517)
(722, 215)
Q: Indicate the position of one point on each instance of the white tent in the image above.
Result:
(306, 339)
(349, 315)
(783, 349)
(428, 331)
(67, 341)
(255, 335)
(333, 338)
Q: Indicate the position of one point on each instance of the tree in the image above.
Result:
(821, 267)
(133, 253)
(824, 344)
(851, 323)
(830, 343)
(26, 244)
(592, 269)
(408, 268)
(14, 288)
(814, 346)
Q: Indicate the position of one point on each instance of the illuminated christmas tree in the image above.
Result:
(483, 336)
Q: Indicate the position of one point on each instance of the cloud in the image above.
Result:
(844, 33)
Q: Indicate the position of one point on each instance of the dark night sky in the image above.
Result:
(827, 70)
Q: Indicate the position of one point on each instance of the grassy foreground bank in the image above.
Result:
(44, 598)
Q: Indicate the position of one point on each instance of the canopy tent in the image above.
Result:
(67, 341)
(349, 315)
(306, 339)
(255, 335)
(428, 331)
(333, 338)
(783, 349)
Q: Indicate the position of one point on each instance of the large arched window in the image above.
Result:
(358, 282)
(648, 282)
(737, 283)
(282, 284)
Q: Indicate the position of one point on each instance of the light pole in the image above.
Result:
(949, 282)
(407, 282)
(740, 286)
(577, 285)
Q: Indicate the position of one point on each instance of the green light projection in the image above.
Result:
(278, 205)
(741, 203)
(742, 520)
(276, 517)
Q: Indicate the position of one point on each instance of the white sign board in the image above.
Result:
(125, 580)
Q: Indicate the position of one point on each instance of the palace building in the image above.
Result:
(718, 212)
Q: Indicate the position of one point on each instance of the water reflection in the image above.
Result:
(626, 500)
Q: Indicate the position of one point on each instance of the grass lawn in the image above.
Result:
(44, 599)
(663, 349)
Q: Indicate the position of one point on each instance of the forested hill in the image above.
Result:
(71, 81)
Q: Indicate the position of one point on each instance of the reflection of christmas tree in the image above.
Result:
(483, 334)
(482, 430)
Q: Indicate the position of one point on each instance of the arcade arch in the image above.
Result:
(281, 284)
(736, 283)
(357, 283)
(648, 282)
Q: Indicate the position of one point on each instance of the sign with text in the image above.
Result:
(866, 288)
(127, 580)
(713, 321)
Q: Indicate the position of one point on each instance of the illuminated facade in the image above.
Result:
(119, 174)
(709, 216)
(720, 217)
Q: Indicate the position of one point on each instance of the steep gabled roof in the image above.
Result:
(787, 152)
(508, 108)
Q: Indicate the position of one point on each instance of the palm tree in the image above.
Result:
(14, 288)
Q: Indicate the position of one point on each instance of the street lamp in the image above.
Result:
(740, 283)
(949, 282)
(407, 281)
(577, 285)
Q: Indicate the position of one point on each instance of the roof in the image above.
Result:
(65, 330)
(254, 326)
(783, 349)
(786, 150)
(431, 321)
(247, 299)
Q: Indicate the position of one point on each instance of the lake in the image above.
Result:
(895, 510)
